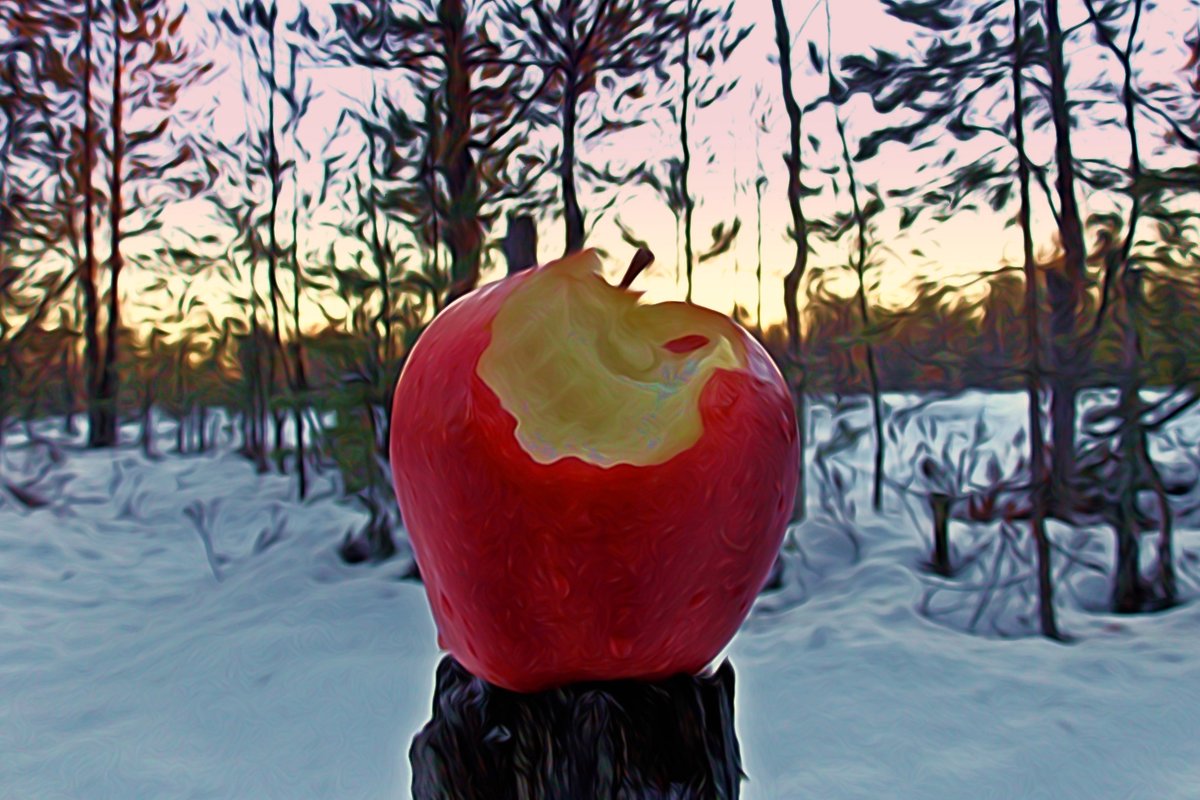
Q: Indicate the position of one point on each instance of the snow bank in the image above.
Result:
(139, 661)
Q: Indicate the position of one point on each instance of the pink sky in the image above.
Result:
(964, 246)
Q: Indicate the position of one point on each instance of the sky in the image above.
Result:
(728, 148)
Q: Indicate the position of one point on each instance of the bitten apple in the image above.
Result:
(595, 488)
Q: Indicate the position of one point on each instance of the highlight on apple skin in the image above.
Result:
(595, 488)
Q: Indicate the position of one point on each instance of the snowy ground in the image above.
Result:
(182, 628)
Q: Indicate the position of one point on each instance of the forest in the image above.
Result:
(245, 214)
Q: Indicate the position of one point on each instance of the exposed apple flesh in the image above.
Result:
(595, 488)
(589, 372)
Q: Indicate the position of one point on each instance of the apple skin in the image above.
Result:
(540, 575)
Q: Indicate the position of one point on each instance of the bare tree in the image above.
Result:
(143, 40)
(582, 47)
(1033, 381)
(860, 217)
(478, 104)
(791, 283)
(1123, 278)
(704, 24)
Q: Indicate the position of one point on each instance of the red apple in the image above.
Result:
(595, 488)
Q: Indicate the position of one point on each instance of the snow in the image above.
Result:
(137, 661)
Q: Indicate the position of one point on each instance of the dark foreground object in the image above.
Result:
(622, 740)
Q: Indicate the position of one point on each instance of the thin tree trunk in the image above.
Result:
(275, 355)
(1133, 435)
(791, 283)
(1167, 585)
(109, 380)
(758, 275)
(181, 395)
(434, 128)
(382, 345)
(689, 206)
(91, 304)
(463, 229)
(1037, 456)
(1065, 289)
(572, 213)
(1129, 591)
(257, 410)
(70, 369)
(300, 384)
(860, 268)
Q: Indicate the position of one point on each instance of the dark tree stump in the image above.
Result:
(939, 503)
(622, 740)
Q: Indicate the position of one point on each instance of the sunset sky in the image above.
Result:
(727, 148)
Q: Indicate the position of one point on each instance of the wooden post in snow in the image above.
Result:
(591, 741)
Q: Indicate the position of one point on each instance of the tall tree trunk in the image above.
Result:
(758, 275)
(275, 354)
(1129, 591)
(791, 283)
(572, 213)
(300, 382)
(382, 344)
(860, 268)
(1037, 455)
(181, 398)
(109, 380)
(70, 370)
(689, 206)
(430, 157)
(258, 391)
(1066, 289)
(463, 229)
(91, 303)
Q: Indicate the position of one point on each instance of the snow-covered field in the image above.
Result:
(183, 628)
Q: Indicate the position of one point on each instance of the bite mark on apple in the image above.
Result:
(589, 372)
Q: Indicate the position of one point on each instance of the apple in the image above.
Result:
(595, 488)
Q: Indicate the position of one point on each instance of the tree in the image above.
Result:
(256, 32)
(1123, 278)
(705, 23)
(1065, 290)
(956, 81)
(860, 217)
(144, 41)
(760, 183)
(276, 101)
(799, 231)
(582, 47)
(57, 37)
(1033, 383)
(477, 105)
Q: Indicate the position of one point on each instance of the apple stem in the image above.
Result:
(641, 259)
